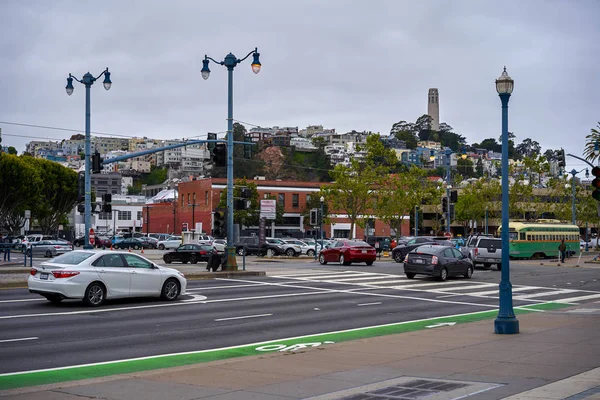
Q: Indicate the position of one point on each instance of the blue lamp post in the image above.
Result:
(505, 322)
(448, 187)
(88, 80)
(230, 62)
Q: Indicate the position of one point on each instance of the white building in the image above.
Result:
(127, 212)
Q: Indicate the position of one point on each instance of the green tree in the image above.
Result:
(592, 145)
(11, 150)
(20, 184)
(250, 216)
(57, 196)
(405, 131)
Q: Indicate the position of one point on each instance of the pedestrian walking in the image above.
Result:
(5, 243)
(562, 247)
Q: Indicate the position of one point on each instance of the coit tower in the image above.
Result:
(433, 108)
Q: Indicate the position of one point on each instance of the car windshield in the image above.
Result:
(73, 258)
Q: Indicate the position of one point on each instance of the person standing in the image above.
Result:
(6, 247)
(562, 247)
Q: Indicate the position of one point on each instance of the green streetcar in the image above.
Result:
(540, 239)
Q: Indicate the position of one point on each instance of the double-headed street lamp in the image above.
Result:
(505, 322)
(88, 80)
(230, 62)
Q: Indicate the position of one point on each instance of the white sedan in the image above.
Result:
(170, 243)
(94, 276)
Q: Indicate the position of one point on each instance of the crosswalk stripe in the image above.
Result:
(362, 278)
(378, 283)
(444, 289)
(326, 277)
(496, 291)
(441, 284)
(544, 294)
(324, 273)
(576, 299)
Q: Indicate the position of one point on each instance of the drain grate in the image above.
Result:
(414, 389)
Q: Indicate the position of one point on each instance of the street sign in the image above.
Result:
(92, 237)
(268, 209)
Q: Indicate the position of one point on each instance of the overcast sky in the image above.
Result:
(360, 65)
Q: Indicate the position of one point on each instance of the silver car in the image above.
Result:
(49, 248)
(172, 242)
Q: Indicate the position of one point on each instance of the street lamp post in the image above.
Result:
(573, 209)
(505, 322)
(88, 80)
(322, 200)
(230, 62)
(448, 187)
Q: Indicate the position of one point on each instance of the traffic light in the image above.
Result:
(96, 163)
(247, 147)
(596, 183)
(314, 217)
(220, 223)
(453, 196)
(211, 145)
(444, 205)
(106, 206)
(80, 208)
(561, 158)
(220, 155)
(81, 187)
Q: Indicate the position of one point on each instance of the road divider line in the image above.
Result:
(13, 380)
(369, 304)
(18, 340)
(21, 300)
(243, 317)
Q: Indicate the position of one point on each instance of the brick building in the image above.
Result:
(198, 198)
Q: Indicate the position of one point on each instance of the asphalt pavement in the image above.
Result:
(556, 355)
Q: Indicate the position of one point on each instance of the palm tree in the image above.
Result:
(592, 146)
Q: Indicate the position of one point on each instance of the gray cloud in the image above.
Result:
(344, 64)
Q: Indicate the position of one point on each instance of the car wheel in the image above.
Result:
(487, 265)
(469, 272)
(193, 259)
(77, 244)
(443, 274)
(499, 266)
(48, 253)
(95, 294)
(322, 259)
(136, 247)
(342, 261)
(398, 257)
(410, 275)
(290, 252)
(161, 246)
(167, 259)
(54, 298)
(170, 290)
(310, 253)
(240, 251)
(369, 263)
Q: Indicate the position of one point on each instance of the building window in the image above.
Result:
(188, 198)
(267, 195)
(281, 199)
(295, 200)
(124, 215)
(105, 216)
(139, 215)
(194, 198)
(182, 197)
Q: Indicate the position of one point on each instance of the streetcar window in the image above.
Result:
(522, 235)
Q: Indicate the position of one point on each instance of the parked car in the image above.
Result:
(347, 251)
(438, 261)
(487, 251)
(385, 242)
(304, 247)
(172, 242)
(132, 243)
(289, 249)
(49, 248)
(219, 245)
(160, 236)
(150, 241)
(102, 241)
(190, 252)
(250, 245)
(469, 245)
(401, 250)
(29, 239)
(95, 276)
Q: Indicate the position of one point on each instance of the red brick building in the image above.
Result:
(198, 198)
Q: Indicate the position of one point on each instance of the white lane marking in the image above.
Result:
(364, 294)
(19, 339)
(156, 357)
(243, 317)
(331, 277)
(466, 287)
(544, 294)
(21, 300)
(195, 297)
(497, 290)
(441, 324)
(382, 283)
(369, 304)
(576, 299)
(318, 273)
(443, 285)
(196, 289)
(362, 278)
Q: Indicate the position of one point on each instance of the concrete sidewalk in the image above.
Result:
(556, 356)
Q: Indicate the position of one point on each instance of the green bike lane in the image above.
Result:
(96, 370)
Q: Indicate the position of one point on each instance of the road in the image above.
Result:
(300, 299)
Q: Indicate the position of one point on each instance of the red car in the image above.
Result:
(346, 251)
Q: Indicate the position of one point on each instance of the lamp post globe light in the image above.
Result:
(230, 62)
(505, 322)
(88, 80)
